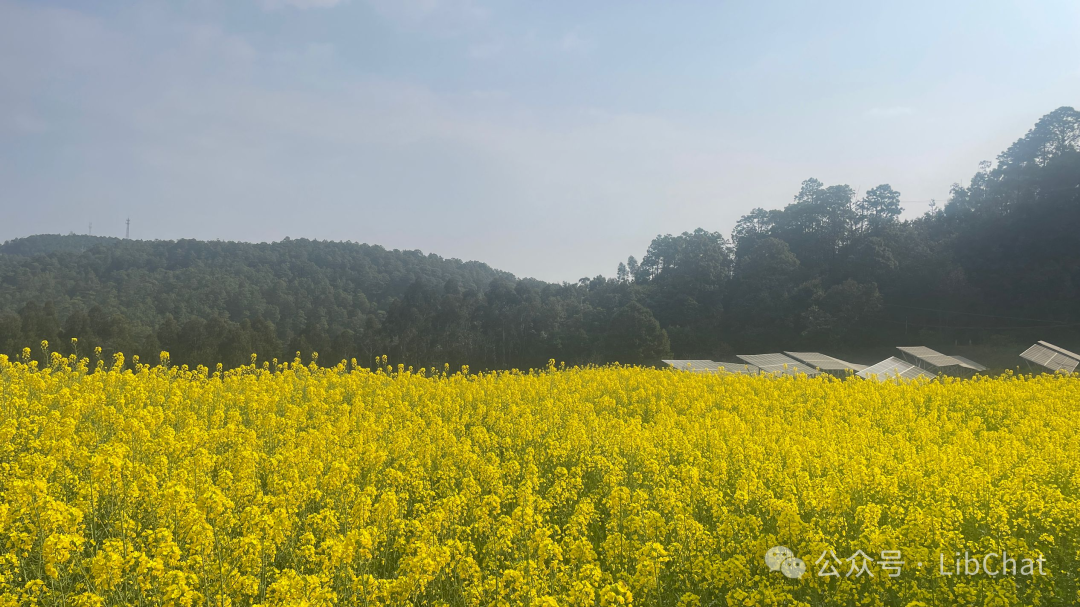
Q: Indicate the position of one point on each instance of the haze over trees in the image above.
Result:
(998, 262)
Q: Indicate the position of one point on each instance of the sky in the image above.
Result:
(549, 139)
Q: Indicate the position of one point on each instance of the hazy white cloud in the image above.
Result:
(25, 122)
(300, 4)
(890, 112)
(485, 50)
(444, 14)
(311, 55)
(530, 45)
(572, 42)
(489, 95)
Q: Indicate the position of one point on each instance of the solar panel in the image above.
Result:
(1052, 357)
(930, 357)
(893, 367)
(698, 366)
(824, 362)
(737, 367)
(1043, 356)
(709, 366)
(1072, 355)
(777, 363)
(970, 364)
(768, 360)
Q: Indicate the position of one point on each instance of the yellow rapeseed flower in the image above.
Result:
(293, 484)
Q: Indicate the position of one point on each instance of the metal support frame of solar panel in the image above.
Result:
(777, 363)
(695, 366)
(894, 367)
(933, 358)
(1051, 357)
(824, 362)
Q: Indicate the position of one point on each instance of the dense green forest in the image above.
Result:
(999, 262)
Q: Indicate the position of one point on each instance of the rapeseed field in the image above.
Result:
(291, 484)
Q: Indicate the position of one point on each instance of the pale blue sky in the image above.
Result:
(549, 139)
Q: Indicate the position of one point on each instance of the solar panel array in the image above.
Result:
(1042, 353)
(824, 362)
(894, 367)
(777, 363)
(1052, 357)
(930, 357)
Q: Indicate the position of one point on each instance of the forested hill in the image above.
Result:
(998, 263)
(44, 244)
(127, 294)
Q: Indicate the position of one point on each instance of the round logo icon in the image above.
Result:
(776, 555)
(793, 567)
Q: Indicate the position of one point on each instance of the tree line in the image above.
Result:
(999, 262)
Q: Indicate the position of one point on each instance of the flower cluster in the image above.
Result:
(297, 485)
